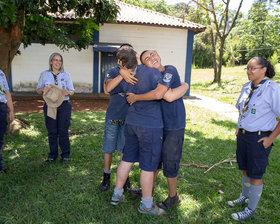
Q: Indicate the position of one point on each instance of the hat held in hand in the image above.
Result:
(53, 98)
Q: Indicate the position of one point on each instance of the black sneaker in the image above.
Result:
(241, 216)
(65, 161)
(4, 169)
(126, 186)
(135, 192)
(170, 202)
(242, 200)
(104, 186)
(49, 160)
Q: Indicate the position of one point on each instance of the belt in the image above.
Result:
(2, 103)
(117, 122)
(243, 131)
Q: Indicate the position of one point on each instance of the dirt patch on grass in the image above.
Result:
(32, 103)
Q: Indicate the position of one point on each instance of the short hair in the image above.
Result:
(126, 44)
(128, 57)
(51, 58)
(143, 52)
(270, 72)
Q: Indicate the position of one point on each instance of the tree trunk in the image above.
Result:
(214, 56)
(220, 60)
(10, 40)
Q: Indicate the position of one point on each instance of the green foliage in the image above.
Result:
(41, 26)
(274, 59)
(202, 50)
(258, 34)
(7, 13)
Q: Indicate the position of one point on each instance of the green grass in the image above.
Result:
(33, 192)
(233, 78)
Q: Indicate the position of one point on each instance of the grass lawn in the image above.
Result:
(233, 78)
(34, 192)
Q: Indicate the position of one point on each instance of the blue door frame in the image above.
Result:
(188, 69)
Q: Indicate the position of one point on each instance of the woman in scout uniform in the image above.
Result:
(58, 129)
(258, 105)
(5, 101)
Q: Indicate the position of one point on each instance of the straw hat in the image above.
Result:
(53, 99)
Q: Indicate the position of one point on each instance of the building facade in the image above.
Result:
(144, 29)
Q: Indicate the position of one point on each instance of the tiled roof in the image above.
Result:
(135, 15)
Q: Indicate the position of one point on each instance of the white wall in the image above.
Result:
(26, 68)
(171, 43)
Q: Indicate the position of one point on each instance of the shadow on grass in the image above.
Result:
(225, 123)
(34, 192)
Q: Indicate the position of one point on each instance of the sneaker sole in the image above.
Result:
(114, 203)
(242, 203)
(144, 212)
(149, 213)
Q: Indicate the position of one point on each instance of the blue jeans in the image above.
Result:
(3, 127)
(58, 130)
(113, 136)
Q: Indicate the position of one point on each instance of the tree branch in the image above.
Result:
(235, 17)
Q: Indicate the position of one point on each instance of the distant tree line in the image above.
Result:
(254, 33)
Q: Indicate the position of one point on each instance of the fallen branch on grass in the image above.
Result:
(229, 160)
(195, 165)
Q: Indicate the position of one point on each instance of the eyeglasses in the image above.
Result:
(252, 69)
(58, 60)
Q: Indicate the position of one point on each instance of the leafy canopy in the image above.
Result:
(41, 25)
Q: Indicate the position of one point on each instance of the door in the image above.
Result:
(108, 61)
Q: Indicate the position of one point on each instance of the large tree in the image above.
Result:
(220, 24)
(261, 31)
(24, 21)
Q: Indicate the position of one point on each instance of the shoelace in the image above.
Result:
(245, 214)
(239, 200)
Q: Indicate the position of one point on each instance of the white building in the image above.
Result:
(143, 29)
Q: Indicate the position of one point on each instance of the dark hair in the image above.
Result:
(143, 52)
(270, 72)
(126, 44)
(128, 57)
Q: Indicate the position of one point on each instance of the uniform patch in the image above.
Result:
(253, 111)
(167, 77)
(2, 92)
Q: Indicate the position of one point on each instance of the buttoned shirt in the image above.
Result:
(3, 87)
(64, 81)
(263, 107)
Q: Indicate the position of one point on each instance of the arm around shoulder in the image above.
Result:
(176, 93)
(111, 84)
